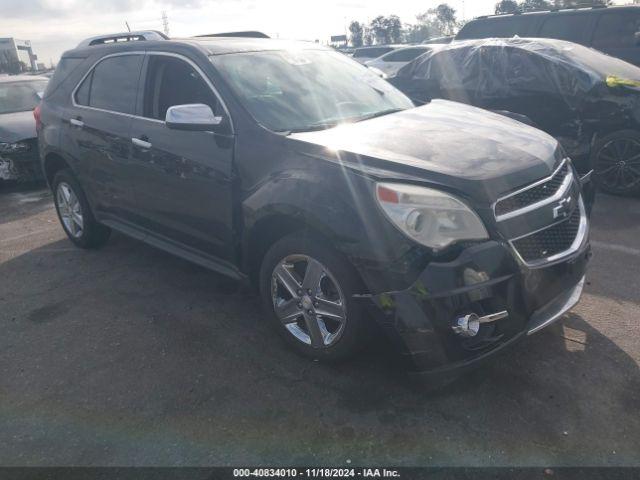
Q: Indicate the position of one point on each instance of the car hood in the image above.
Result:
(476, 152)
(17, 126)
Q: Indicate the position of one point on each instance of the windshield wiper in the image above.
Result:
(378, 114)
(310, 128)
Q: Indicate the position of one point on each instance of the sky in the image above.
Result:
(54, 26)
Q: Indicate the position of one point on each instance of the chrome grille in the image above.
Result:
(545, 221)
(551, 241)
(538, 192)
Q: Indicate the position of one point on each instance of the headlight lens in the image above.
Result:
(431, 217)
(16, 147)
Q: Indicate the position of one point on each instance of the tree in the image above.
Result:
(533, 5)
(379, 29)
(357, 33)
(394, 28)
(368, 36)
(507, 6)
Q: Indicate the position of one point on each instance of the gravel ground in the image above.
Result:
(129, 356)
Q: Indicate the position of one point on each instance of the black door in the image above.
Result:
(182, 179)
(99, 132)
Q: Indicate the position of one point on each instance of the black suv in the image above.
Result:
(613, 30)
(458, 230)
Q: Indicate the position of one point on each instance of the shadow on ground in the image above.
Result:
(129, 356)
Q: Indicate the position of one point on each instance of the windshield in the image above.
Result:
(289, 91)
(20, 96)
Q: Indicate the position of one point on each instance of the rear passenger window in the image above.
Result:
(170, 82)
(616, 30)
(112, 84)
(565, 27)
(505, 27)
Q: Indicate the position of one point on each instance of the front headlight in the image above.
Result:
(17, 147)
(431, 217)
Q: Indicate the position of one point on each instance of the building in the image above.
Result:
(14, 53)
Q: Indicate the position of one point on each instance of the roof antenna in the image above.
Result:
(128, 28)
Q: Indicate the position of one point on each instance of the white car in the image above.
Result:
(391, 62)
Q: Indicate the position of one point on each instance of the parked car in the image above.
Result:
(391, 62)
(364, 54)
(287, 164)
(19, 158)
(584, 98)
(613, 30)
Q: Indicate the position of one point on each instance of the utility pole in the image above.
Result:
(165, 23)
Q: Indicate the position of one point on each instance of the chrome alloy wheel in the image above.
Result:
(308, 301)
(69, 209)
(618, 164)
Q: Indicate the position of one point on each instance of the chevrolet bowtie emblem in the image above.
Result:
(563, 208)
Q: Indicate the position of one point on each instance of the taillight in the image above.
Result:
(36, 115)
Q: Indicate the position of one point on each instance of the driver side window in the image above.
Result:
(171, 81)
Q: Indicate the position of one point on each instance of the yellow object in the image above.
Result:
(613, 81)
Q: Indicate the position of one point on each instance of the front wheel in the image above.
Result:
(307, 290)
(617, 163)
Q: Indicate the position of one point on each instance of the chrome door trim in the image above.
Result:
(144, 53)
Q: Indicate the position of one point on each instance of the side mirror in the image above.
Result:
(196, 117)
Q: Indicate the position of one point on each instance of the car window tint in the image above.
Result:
(371, 52)
(170, 82)
(82, 94)
(505, 27)
(114, 83)
(617, 30)
(404, 55)
(565, 27)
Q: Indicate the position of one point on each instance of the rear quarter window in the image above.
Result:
(66, 66)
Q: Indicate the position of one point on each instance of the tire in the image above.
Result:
(334, 339)
(75, 214)
(616, 162)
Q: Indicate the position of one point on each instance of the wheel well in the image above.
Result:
(53, 164)
(263, 235)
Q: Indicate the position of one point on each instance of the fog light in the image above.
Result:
(467, 326)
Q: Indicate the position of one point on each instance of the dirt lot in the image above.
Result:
(129, 356)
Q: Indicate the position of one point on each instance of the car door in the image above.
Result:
(182, 179)
(618, 34)
(99, 122)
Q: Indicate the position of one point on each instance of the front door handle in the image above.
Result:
(138, 142)
(76, 122)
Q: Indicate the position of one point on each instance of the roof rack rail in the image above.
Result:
(123, 37)
(248, 34)
(554, 9)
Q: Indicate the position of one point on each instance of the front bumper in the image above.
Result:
(23, 166)
(484, 279)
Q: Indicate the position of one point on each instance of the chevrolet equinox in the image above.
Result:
(456, 230)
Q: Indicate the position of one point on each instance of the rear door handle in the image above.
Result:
(76, 122)
(141, 143)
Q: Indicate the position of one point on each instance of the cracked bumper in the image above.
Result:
(484, 279)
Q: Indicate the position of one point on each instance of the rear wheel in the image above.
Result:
(307, 290)
(75, 214)
(617, 163)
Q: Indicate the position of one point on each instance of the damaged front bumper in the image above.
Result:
(485, 280)
(22, 166)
